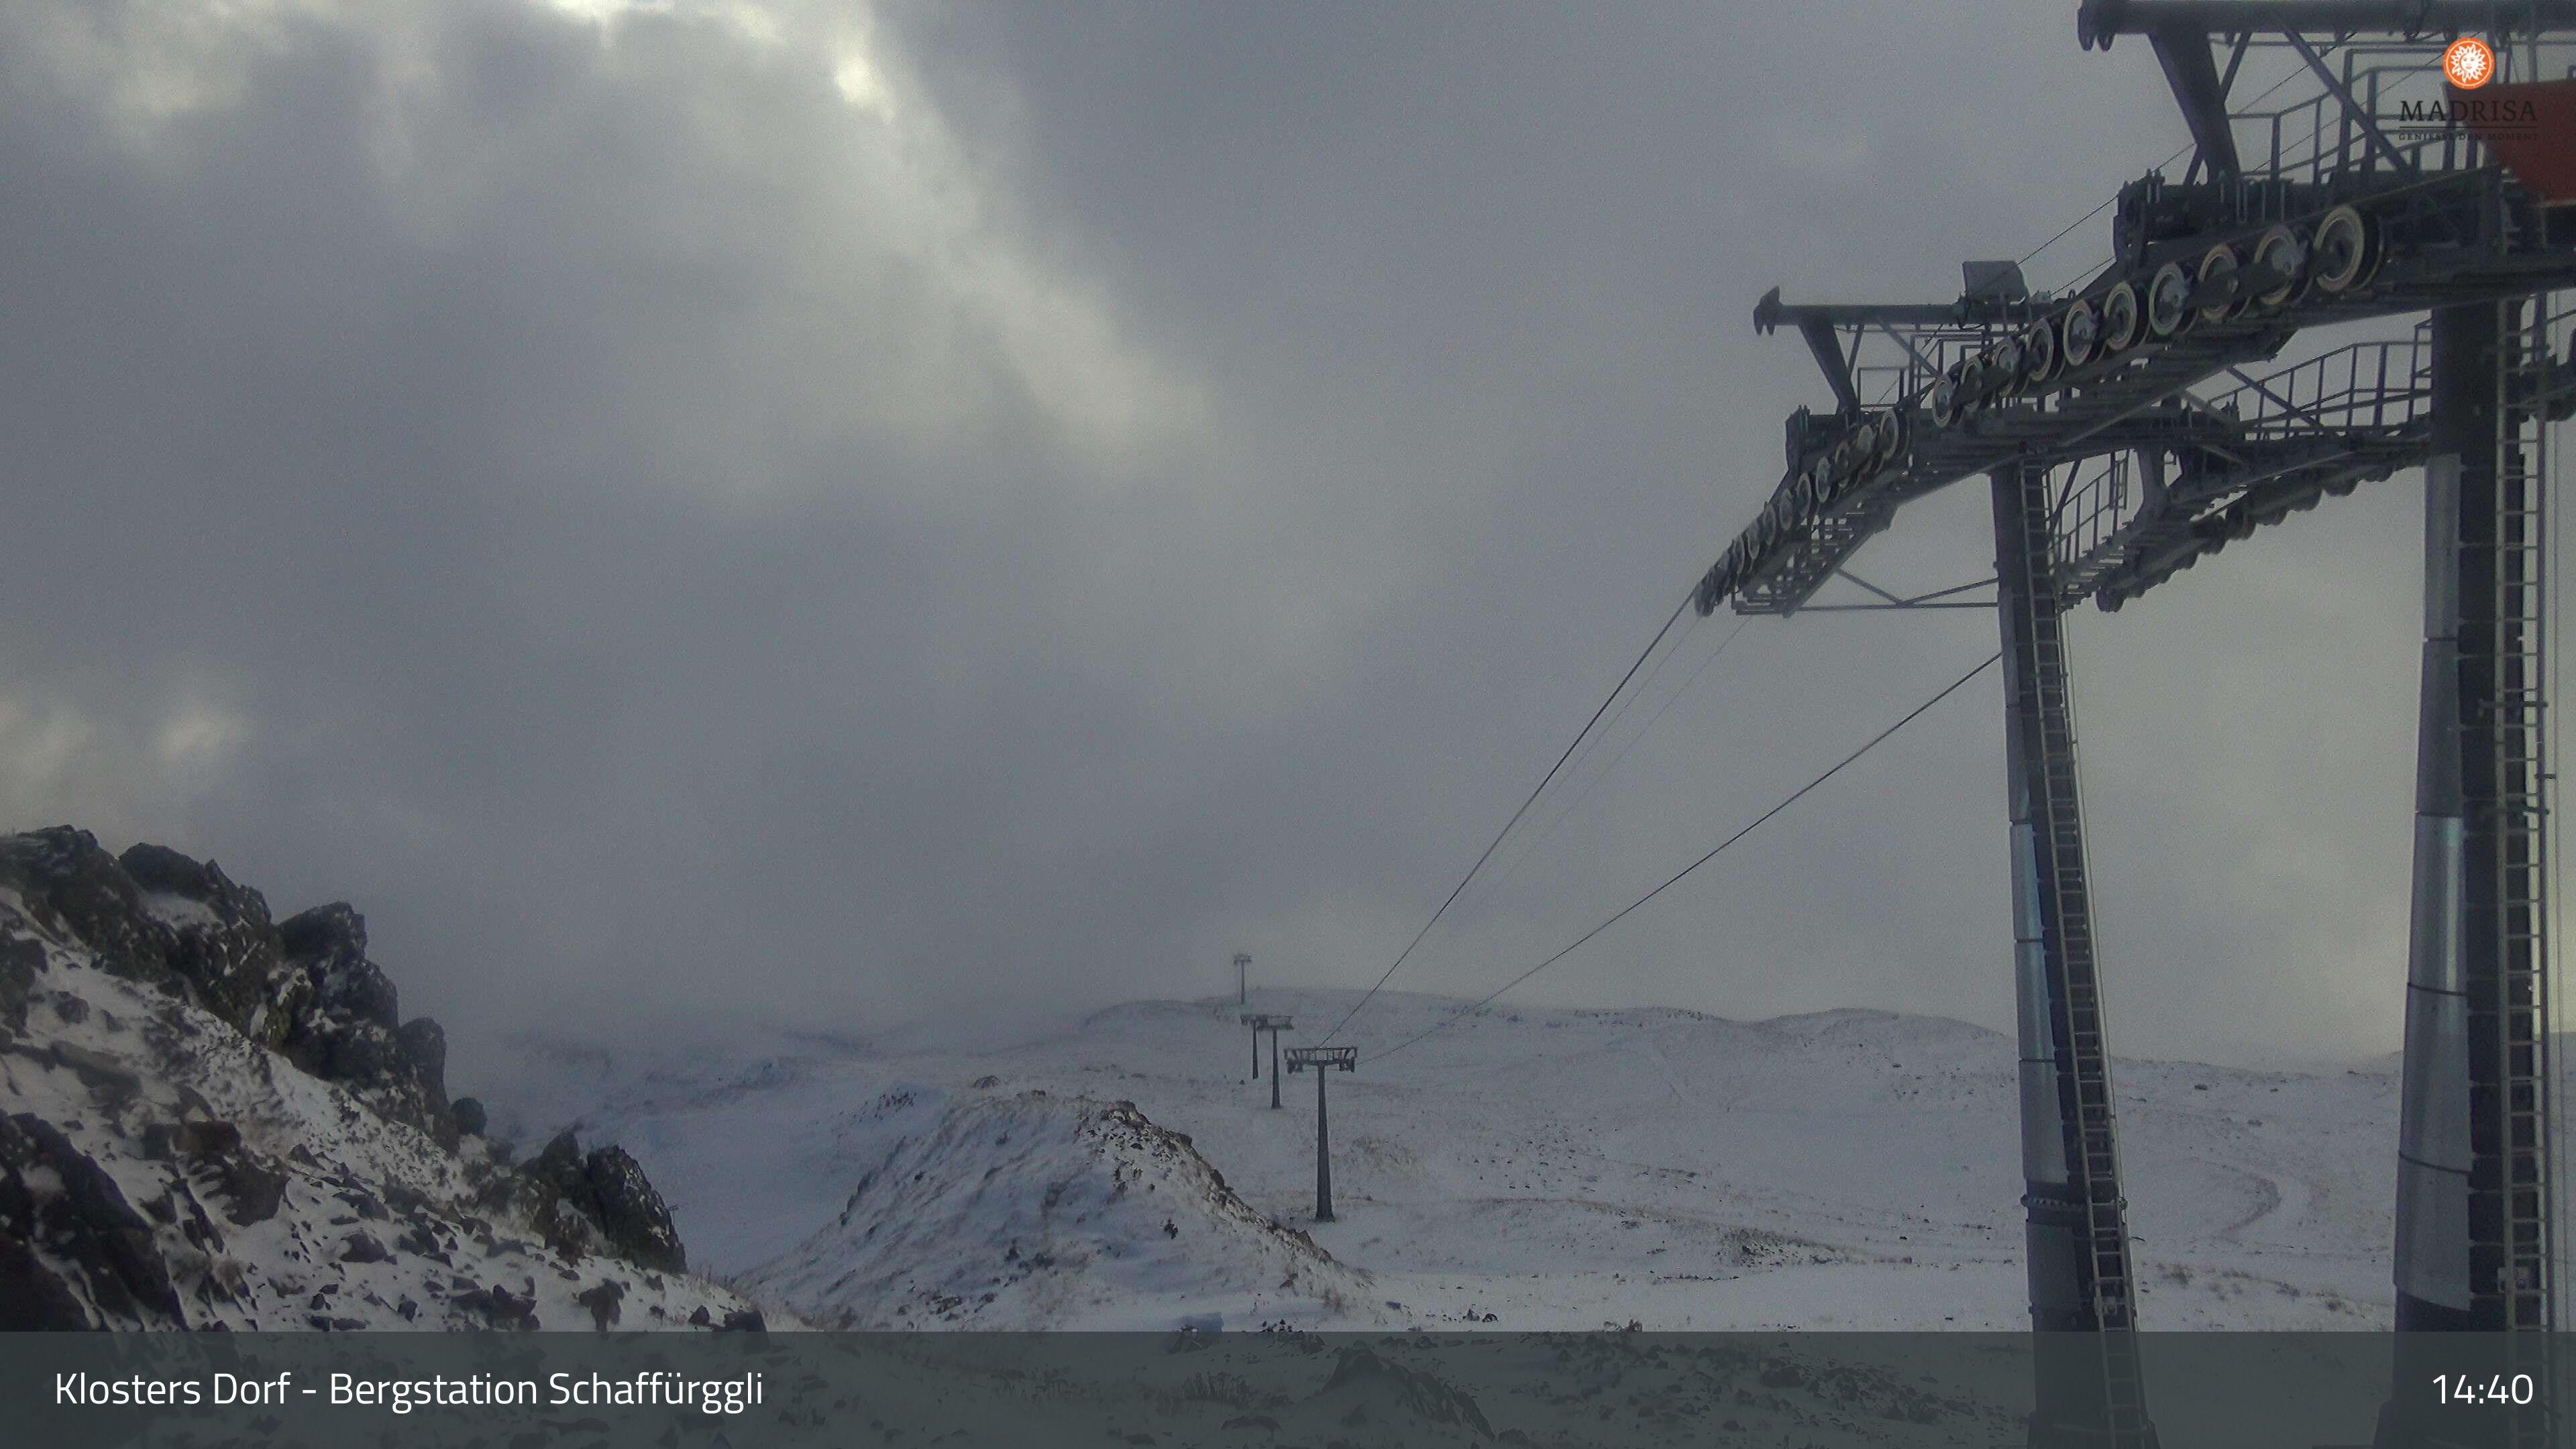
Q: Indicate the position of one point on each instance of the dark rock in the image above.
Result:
(701, 1317)
(206, 1139)
(631, 1215)
(257, 1190)
(343, 1023)
(32, 1297)
(557, 1165)
(361, 1248)
(498, 1304)
(378, 1066)
(602, 1302)
(424, 1041)
(606, 1194)
(324, 936)
(329, 943)
(97, 1069)
(231, 957)
(22, 956)
(72, 887)
(86, 1226)
(470, 1117)
(745, 1320)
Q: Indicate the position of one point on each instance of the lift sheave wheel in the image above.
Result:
(2123, 320)
(1898, 429)
(2218, 271)
(2038, 353)
(2347, 251)
(1846, 461)
(2280, 250)
(1970, 399)
(2169, 311)
(1945, 397)
(2079, 332)
(1887, 439)
(2004, 367)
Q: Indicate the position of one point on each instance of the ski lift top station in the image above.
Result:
(2125, 431)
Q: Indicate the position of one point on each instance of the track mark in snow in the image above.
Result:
(1664, 1068)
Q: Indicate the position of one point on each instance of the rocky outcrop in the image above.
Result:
(304, 987)
(222, 941)
(21, 958)
(602, 1202)
(346, 1023)
(221, 1120)
(57, 1204)
(72, 887)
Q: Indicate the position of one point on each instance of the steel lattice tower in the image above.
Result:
(2124, 439)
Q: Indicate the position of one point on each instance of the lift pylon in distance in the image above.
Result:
(1261, 1021)
(2137, 423)
(1324, 1060)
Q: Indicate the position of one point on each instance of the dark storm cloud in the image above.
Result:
(999, 508)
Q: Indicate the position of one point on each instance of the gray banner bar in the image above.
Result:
(1806, 1391)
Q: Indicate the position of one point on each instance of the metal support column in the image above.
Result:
(1323, 1153)
(2089, 1390)
(2474, 1228)
(1323, 1060)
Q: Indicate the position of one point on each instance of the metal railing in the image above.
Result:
(2367, 386)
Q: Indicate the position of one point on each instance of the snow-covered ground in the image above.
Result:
(1549, 1168)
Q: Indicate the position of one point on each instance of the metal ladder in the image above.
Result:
(2512, 1244)
(2084, 1068)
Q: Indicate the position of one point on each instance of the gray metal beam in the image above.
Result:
(2192, 72)
(1827, 344)
(2354, 111)
(2098, 21)
(2082, 1288)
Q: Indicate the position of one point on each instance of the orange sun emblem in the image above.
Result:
(2468, 64)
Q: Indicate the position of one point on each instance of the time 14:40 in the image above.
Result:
(2463, 1389)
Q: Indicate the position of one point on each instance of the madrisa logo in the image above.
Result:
(2488, 115)
(2470, 111)
(2468, 64)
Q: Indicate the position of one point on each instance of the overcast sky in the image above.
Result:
(847, 514)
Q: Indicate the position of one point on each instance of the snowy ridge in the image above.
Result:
(1032, 1211)
(1559, 1168)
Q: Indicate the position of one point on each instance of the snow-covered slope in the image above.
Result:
(289, 1163)
(1033, 1211)
(1566, 1169)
